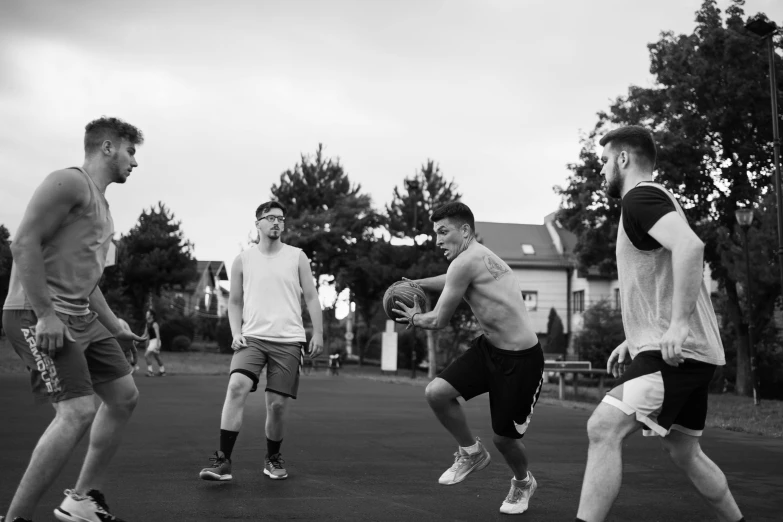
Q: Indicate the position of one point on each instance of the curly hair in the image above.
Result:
(114, 129)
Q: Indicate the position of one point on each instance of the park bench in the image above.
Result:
(575, 368)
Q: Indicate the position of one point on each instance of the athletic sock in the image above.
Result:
(149, 368)
(470, 450)
(227, 440)
(523, 482)
(273, 446)
(162, 369)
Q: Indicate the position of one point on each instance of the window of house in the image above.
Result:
(531, 300)
(579, 301)
(528, 250)
(617, 299)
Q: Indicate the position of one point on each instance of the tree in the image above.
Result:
(6, 259)
(153, 256)
(555, 333)
(709, 111)
(325, 213)
(589, 213)
(374, 264)
(408, 216)
(411, 205)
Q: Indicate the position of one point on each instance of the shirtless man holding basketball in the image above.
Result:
(506, 360)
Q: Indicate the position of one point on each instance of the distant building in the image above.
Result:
(205, 295)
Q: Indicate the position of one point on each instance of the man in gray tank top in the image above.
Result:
(58, 322)
(671, 334)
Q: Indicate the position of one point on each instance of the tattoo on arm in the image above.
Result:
(495, 267)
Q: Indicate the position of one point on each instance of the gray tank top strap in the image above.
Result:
(93, 189)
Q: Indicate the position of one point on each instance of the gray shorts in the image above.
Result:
(282, 360)
(95, 357)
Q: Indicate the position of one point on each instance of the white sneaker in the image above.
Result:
(465, 464)
(89, 508)
(518, 497)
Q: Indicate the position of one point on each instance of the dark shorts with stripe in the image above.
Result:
(664, 397)
(95, 358)
(512, 378)
(283, 362)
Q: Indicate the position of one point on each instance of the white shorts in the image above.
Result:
(153, 346)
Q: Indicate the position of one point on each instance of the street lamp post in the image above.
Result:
(413, 190)
(766, 29)
(744, 218)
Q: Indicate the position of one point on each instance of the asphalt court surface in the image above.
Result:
(364, 450)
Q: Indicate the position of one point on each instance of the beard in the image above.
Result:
(114, 167)
(614, 188)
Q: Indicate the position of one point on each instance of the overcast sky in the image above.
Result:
(229, 94)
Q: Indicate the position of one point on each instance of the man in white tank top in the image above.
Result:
(671, 335)
(265, 312)
(58, 322)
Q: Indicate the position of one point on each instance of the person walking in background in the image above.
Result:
(152, 331)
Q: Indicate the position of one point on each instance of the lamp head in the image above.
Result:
(761, 26)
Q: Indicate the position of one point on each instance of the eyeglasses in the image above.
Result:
(272, 219)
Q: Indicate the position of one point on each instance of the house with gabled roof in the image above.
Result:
(206, 295)
(541, 257)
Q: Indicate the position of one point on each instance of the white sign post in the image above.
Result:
(389, 349)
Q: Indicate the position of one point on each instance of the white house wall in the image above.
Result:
(551, 286)
(595, 290)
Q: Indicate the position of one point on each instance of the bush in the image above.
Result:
(206, 327)
(180, 344)
(601, 333)
(176, 326)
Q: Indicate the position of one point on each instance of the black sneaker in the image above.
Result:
(219, 470)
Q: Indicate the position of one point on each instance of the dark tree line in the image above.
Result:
(709, 110)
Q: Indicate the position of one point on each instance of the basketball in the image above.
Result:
(404, 292)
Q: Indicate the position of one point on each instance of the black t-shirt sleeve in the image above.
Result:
(642, 208)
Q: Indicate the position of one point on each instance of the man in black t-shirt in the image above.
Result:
(671, 335)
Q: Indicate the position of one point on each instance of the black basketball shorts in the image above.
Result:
(512, 378)
(664, 397)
